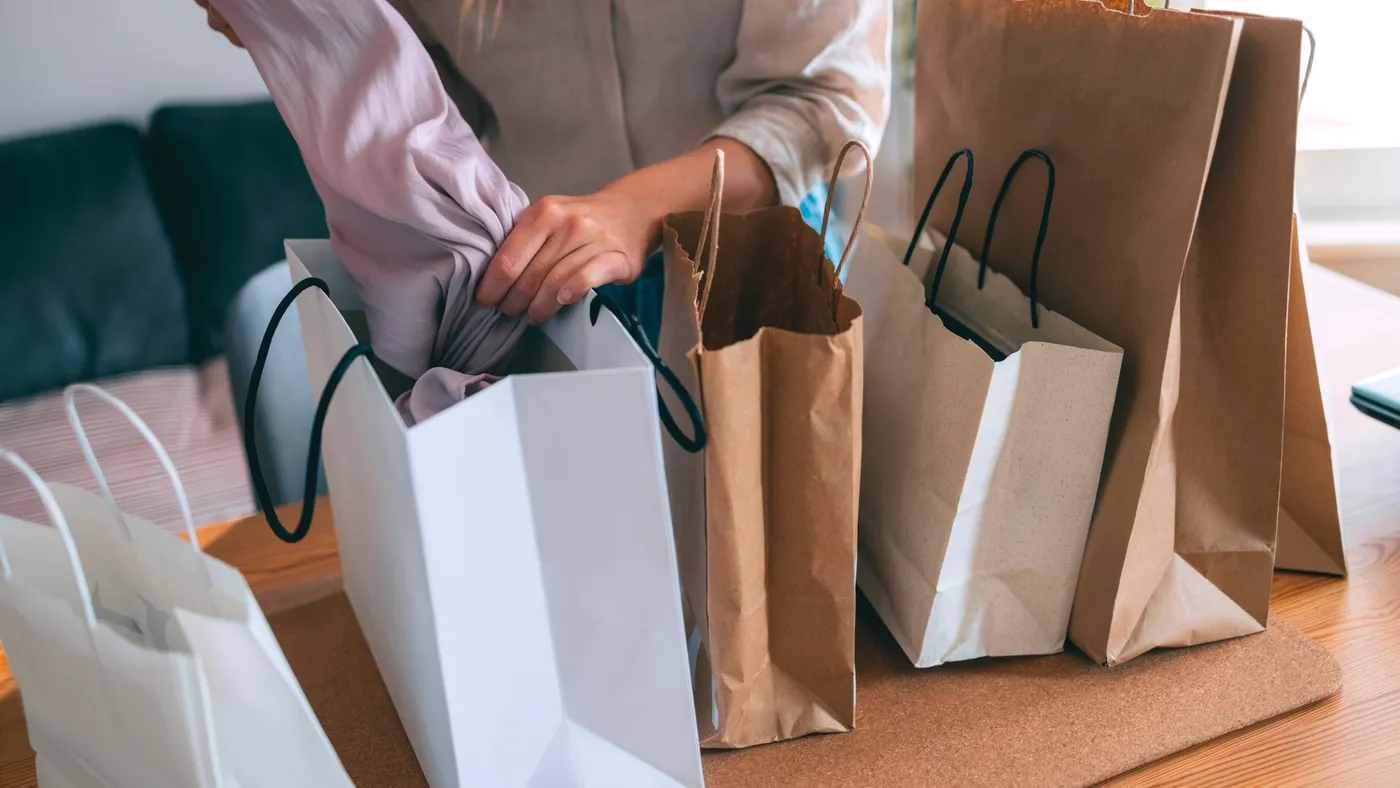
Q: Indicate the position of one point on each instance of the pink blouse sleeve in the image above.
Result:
(415, 206)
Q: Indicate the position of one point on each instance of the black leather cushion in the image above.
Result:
(232, 186)
(88, 284)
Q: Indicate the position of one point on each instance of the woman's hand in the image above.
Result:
(218, 25)
(562, 247)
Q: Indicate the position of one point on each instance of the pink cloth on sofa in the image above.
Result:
(414, 205)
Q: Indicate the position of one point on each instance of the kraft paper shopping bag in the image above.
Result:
(1174, 245)
(756, 320)
(1309, 516)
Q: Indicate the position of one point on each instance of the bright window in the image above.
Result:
(1353, 100)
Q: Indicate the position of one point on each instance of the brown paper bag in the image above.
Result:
(1187, 273)
(766, 515)
(1309, 518)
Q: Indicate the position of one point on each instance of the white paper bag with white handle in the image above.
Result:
(140, 660)
(510, 559)
(984, 430)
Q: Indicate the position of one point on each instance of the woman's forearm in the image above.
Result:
(683, 183)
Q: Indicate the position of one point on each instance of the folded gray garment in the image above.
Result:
(414, 205)
(438, 390)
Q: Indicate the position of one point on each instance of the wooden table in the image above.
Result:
(1350, 739)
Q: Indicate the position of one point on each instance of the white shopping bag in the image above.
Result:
(510, 559)
(978, 475)
(141, 661)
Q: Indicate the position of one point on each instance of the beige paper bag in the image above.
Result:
(1187, 273)
(980, 466)
(1309, 518)
(765, 517)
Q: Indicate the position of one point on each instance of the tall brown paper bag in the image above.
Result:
(1187, 273)
(765, 517)
(1309, 512)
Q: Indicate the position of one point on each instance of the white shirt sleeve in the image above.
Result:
(807, 76)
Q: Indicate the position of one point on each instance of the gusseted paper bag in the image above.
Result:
(984, 435)
(1309, 517)
(509, 558)
(142, 660)
(765, 517)
(1171, 240)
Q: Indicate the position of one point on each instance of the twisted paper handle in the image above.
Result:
(864, 201)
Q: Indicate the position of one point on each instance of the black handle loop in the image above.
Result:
(1027, 155)
(691, 445)
(313, 455)
(952, 229)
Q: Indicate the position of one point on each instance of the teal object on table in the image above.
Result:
(643, 297)
(1379, 397)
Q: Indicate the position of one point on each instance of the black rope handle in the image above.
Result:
(313, 454)
(689, 444)
(1027, 155)
(957, 218)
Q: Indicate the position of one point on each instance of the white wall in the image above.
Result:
(69, 62)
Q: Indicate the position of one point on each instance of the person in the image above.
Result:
(609, 114)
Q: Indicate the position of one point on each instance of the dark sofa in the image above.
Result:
(120, 252)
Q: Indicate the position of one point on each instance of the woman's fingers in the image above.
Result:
(559, 249)
(547, 301)
(228, 33)
(558, 246)
(218, 24)
(515, 254)
(606, 268)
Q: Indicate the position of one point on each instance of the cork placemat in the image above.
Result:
(1058, 720)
